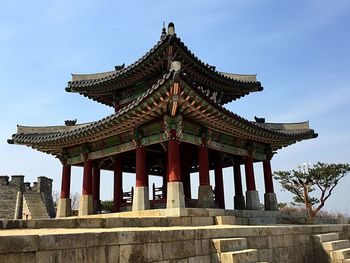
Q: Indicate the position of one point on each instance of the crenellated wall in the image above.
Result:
(11, 195)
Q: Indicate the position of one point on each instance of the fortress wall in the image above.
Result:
(186, 244)
(8, 195)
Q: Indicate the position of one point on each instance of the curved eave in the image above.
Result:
(93, 85)
(49, 139)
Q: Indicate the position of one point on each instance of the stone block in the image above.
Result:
(270, 202)
(56, 223)
(202, 259)
(265, 255)
(18, 243)
(77, 255)
(154, 222)
(180, 221)
(205, 196)
(176, 234)
(241, 221)
(111, 254)
(64, 207)
(262, 221)
(178, 249)
(68, 241)
(86, 206)
(141, 199)
(222, 245)
(202, 247)
(252, 200)
(225, 220)
(18, 258)
(216, 212)
(150, 213)
(258, 242)
(275, 242)
(247, 255)
(122, 222)
(91, 222)
(202, 221)
(175, 195)
(111, 238)
(147, 252)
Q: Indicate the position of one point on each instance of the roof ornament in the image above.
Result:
(162, 36)
(171, 28)
(70, 122)
(259, 120)
(119, 67)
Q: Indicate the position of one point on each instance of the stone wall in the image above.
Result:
(162, 244)
(9, 190)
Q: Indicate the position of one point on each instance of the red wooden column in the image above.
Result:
(249, 173)
(141, 171)
(65, 184)
(239, 202)
(205, 192)
(118, 183)
(270, 199)
(64, 203)
(87, 178)
(174, 158)
(175, 191)
(186, 158)
(141, 193)
(219, 183)
(252, 196)
(96, 178)
(86, 205)
(268, 176)
(203, 162)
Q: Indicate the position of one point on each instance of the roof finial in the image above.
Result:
(163, 31)
(171, 28)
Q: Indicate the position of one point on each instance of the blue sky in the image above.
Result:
(299, 49)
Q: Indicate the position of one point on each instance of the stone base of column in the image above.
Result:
(175, 196)
(141, 199)
(270, 202)
(86, 206)
(252, 200)
(205, 197)
(239, 202)
(64, 207)
(96, 206)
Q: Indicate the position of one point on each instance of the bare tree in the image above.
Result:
(55, 197)
(74, 197)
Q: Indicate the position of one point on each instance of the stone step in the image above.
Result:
(327, 237)
(241, 256)
(336, 245)
(221, 245)
(340, 254)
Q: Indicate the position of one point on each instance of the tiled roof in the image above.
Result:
(46, 137)
(92, 85)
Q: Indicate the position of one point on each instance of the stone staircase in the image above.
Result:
(33, 206)
(233, 250)
(337, 250)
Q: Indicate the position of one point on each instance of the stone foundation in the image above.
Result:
(205, 197)
(252, 200)
(86, 205)
(175, 195)
(161, 244)
(64, 207)
(270, 201)
(141, 199)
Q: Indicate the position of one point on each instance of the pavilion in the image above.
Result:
(169, 121)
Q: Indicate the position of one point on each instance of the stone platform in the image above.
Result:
(172, 235)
